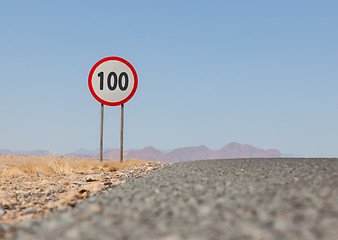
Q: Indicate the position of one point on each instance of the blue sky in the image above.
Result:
(263, 73)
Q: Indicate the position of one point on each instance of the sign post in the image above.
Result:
(112, 81)
(101, 134)
(121, 136)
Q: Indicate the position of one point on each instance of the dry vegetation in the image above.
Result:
(62, 166)
(32, 187)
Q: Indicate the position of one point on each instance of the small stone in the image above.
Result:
(81, 183)
(82, 216)
(91, 179)
(96, 208)
(199, 187)
(2, 212)
(72, 234)
(53, 198)
(71, 196)
(40, 174)
(30, 210)
(4, 227)
(9, 196)
(94, 187)
(205, 211)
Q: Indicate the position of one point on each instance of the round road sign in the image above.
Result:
(112, 81)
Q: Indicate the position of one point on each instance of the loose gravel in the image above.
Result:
(28, 196)
(211, 199)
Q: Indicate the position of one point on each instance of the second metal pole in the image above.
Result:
(121, 139)
(101, 134)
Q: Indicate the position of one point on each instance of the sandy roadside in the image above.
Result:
(33, 187)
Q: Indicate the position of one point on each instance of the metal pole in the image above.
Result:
(121, 139)
(101, 134)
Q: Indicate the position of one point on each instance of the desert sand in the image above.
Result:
(33, 187)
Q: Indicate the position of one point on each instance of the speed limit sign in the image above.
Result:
(112, 81)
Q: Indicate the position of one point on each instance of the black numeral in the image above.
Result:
(101, 80)
(109, 81)
(113, 81)
(125, 75)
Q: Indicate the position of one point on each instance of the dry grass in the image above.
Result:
(48, 183)
(62, 166)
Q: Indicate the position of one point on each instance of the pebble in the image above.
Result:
(2, 212)
(30, 210)
(40, 174)
(73, 234)
(96, 208)
(81, 183)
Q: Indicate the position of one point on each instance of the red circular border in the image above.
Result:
(91, 75)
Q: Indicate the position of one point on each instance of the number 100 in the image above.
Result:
(113, 81)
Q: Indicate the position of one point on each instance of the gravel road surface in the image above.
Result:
(210, 199)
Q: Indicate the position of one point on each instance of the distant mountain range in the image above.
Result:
(231, 150)
(26, 153)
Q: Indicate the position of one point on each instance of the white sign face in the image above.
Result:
(112, 81)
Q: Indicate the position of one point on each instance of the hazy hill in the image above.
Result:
(189, 153)
(149, 153)
(236, 150)
(231, 150)
(25, 153)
